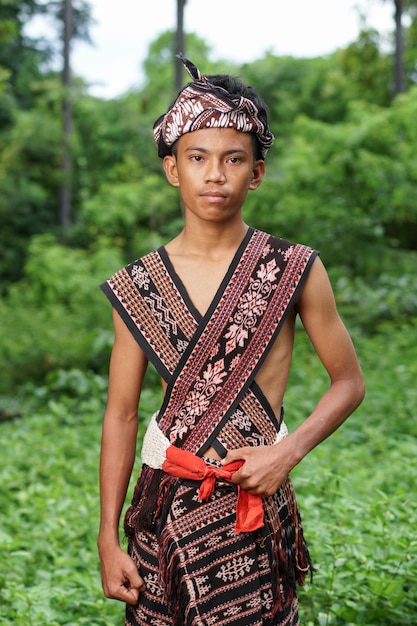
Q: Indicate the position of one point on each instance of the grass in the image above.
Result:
(356, 492)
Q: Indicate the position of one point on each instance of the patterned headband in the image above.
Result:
(200, 105)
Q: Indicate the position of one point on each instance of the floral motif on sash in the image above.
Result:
(251, 306)
(197, 400)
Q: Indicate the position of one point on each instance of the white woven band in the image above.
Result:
(155, 443)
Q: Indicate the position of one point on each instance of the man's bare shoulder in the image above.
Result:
(317, 290)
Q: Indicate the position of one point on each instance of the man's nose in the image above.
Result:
(215, 170)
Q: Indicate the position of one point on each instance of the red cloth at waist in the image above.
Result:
(184, 464)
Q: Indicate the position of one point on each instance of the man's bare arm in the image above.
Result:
(335, 349)
(264, 470)
(127, 369)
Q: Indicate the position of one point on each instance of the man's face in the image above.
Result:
(214, 169)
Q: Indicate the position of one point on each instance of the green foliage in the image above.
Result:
(50, 505)
(128, 213)
(291, 87)
(159, 88)
(367, 68)
(391, 298)
(342, 172)
(29, 179)
(19, 56)
(347, 189)
(56, 316)
(342, 177)
(111, 135)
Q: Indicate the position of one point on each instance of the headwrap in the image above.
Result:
(201, 104)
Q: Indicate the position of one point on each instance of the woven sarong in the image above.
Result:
(214, 574)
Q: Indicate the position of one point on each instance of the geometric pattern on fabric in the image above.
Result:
(220, 577)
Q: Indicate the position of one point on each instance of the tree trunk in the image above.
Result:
(399, 77)
(66, 200)
(179, 44)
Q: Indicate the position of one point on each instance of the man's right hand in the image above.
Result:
(120, 577)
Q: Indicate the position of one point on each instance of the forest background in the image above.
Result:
(342, 177)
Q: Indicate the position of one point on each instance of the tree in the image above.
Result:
(401, 8)
(27, 59)
(179, 43)
(399, 73)
(31, 140)
(65, 199)
(20, 57)
(75, 18)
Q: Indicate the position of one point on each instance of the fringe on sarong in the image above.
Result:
(284, 539)
(149, 499)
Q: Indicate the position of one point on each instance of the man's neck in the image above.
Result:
(213, 241)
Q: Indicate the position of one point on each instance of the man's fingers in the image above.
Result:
(234, 455)
(125, 587)
(126, 592)
(131, 596)
(135, 580)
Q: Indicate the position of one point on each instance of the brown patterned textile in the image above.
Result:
(197, 569)
(200, 105)
(214, 575)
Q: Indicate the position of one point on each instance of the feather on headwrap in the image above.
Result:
(201, 104)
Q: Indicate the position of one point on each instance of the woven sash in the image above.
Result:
(210, 363)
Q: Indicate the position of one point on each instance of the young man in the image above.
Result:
(215, 535)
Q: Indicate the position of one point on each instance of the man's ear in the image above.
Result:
(171, 170)
(258, 174)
